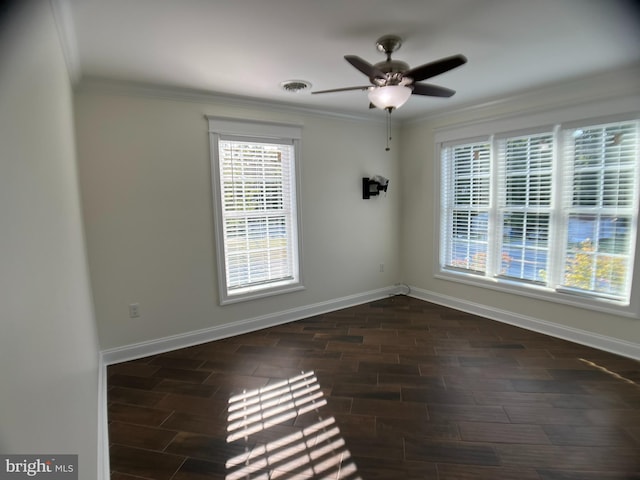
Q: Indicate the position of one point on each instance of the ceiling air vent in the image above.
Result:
(295, 86)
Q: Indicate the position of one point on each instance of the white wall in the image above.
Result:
(144, 165)
(48, 344)
(615, 91)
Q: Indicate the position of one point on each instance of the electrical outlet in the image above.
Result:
(382, 267)
(134, 310)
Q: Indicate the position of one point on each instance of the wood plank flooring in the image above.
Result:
(394, 389)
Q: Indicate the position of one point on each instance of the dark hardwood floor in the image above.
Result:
(394, 389)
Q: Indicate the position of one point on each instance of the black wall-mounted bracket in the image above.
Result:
(373, 186)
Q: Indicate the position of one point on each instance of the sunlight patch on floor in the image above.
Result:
(609, 372)
(312, 451)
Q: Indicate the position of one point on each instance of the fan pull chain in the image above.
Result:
(388, 129)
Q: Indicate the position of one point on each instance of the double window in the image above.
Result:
(552, 209)
(255, 183)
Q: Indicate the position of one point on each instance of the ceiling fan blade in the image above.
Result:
(345, 89)
(364, 66)
(432, 69)
(431, 90)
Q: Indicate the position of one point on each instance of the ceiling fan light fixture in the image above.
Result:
(389, 96)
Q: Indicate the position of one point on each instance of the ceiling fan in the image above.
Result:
(393, 82)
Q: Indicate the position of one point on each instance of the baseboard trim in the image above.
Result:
(188, 339)
(590, 339)
(104, 471)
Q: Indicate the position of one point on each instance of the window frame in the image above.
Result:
(492, 132)
(224, 128)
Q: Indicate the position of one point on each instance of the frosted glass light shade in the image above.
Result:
(393, 96)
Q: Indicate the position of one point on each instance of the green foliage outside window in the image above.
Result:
(609, 275)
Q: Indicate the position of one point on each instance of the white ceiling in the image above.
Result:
(247, 47)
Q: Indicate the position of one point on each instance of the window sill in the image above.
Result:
(254, 293)
(540, 292)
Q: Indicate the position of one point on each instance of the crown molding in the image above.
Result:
(597, 87)
(140, 89)
(63, 18)
(600, 87)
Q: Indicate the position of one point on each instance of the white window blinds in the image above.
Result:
(601, 204)
(524, 204)
(553, 208)
(466, 201)
(255, 193)
(258, 211)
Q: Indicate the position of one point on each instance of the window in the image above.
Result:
(466, 202)
(254, 175)
(600, 203)
(525, 165)
(552, 210)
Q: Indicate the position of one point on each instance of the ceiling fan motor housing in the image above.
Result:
(393, 70)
